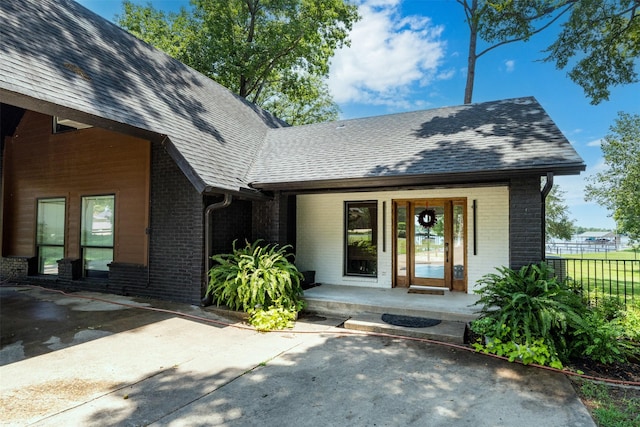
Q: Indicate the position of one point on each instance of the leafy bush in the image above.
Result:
(531, 307)
(272, 319)
(532, 316)
(630, 322)
(258, 279)
(609, 336)
(535, 352)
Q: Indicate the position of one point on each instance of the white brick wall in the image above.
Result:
(320, 232)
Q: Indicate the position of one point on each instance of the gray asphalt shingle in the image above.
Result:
(508, 135)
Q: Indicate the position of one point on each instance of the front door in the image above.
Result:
(430, 245)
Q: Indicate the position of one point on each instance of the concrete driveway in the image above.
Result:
(76, 361)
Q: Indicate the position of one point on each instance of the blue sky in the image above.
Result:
(411, 55)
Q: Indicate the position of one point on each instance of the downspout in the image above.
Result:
(548, 185)
(207, 236)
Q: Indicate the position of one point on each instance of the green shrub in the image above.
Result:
(608, 338)
(600, 340)
(630, 322)
(534, 352)
(260, 280)
(531, 307)
(272, 319)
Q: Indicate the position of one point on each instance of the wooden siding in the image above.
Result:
(39, 164)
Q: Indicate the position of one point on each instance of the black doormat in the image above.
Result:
(409, 321)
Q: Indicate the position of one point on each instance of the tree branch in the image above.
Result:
(568, 5)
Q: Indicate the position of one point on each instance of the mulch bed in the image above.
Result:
(628, 372)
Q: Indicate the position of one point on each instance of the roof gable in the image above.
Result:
(489, 139)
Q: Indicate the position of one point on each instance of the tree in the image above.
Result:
(618, 187)
(501, 22)
(605, 35)
(274, 53)
(557, 219)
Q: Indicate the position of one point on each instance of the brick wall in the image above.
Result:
(17, 267)
(274, 220)
(229, 224)
(176, 269)
(525, 222)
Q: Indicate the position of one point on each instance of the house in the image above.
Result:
(597, 237)
(124, 170)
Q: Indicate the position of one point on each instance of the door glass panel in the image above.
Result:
(50, 234)
(97, 234)
(429, 253)
(401, 241)
(458, 241)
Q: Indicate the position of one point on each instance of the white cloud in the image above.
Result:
(510, 65)
(389, 54)
(595, 143)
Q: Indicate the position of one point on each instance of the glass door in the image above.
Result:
(430, 244)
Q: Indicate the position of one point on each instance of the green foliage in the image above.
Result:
(535, 351)
(604, 37)
(557, 219)
(618, 187)
(273, 318)
(499, 22)
(274, 53)
(529, 304)
(629, 321)
(601, 40)
(254, 277)
(530, 315)
(608, 412)
(601, 341)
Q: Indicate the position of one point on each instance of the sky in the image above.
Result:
(408, 55)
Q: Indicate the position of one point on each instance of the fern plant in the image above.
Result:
(258, 279)
(531, 303)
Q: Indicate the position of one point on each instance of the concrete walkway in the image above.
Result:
(150, 368)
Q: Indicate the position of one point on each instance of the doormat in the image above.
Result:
(409, 321)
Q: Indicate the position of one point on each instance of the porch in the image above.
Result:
(348, 301)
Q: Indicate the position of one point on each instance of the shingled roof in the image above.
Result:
(58, 58)
(61, 59)
(467, 143)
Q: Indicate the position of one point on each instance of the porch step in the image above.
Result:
(347, 301)
(447, 331)
(428, 290)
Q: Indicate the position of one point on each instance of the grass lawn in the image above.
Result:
(616, 274)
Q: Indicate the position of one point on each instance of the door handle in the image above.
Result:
(446, 252)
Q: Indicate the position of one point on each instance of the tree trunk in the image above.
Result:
(471, 64)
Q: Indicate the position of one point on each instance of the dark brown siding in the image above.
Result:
(74, 164)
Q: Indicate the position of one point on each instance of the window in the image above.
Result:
(50, 234)
(361, 237)
(97, 234)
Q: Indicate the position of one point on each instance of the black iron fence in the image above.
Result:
(600, 278)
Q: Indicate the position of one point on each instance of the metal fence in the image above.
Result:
(600, 278)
